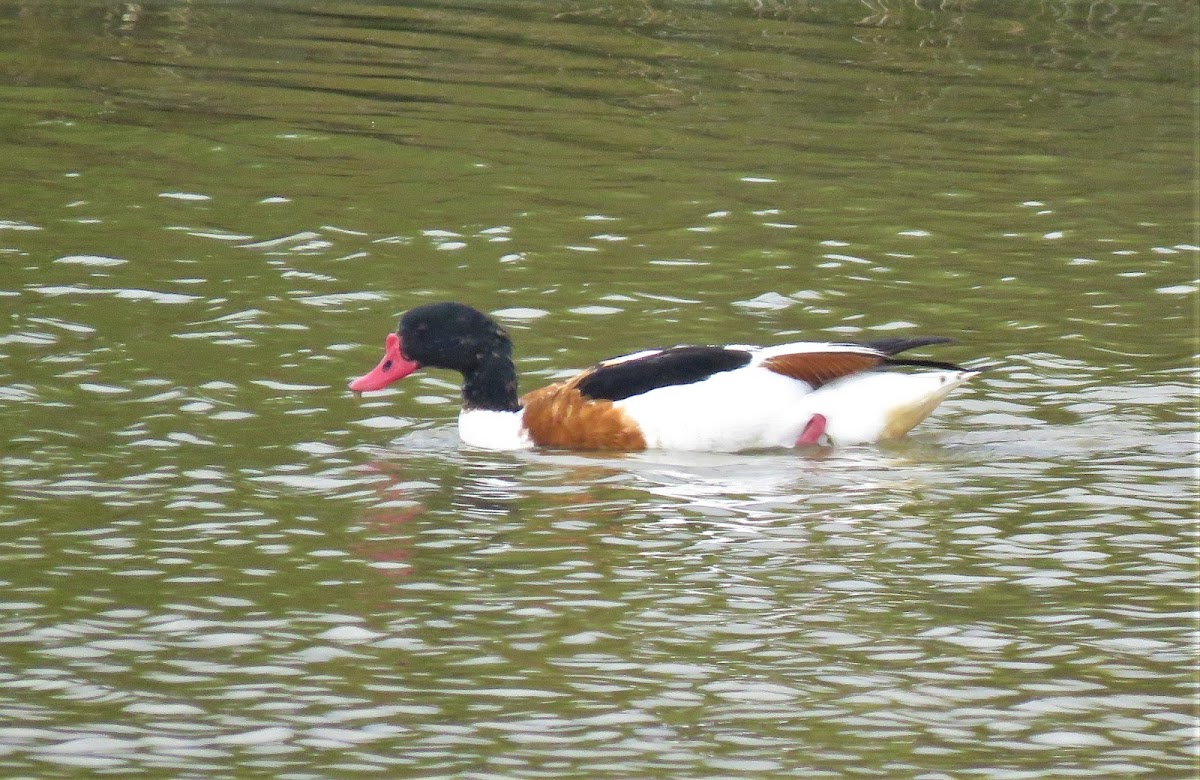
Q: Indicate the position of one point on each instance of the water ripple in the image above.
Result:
(216, 561)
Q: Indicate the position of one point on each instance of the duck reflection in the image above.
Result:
(480, 504)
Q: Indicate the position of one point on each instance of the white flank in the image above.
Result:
(753, 407)
(871, 406)
(731, 410)
(493, 430)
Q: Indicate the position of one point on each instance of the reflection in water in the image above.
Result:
(214, 561)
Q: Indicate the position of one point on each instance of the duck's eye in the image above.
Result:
(387, 365)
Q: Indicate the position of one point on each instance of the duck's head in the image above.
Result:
(437, 335)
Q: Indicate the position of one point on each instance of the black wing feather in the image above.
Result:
(674, 366)
(936, 364)
(894, 346)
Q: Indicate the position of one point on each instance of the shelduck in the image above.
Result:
(716, 398)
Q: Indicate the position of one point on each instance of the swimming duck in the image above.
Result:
(715, 398)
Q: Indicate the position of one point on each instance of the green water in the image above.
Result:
(215, 562)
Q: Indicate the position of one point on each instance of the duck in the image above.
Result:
(727, 398)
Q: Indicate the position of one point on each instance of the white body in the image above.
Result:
(753, 407)
(771, 410)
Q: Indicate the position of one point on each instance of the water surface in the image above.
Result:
(217, 562)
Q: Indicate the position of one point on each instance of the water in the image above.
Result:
(216, 562)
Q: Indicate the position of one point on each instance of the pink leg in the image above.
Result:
(812, 431)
